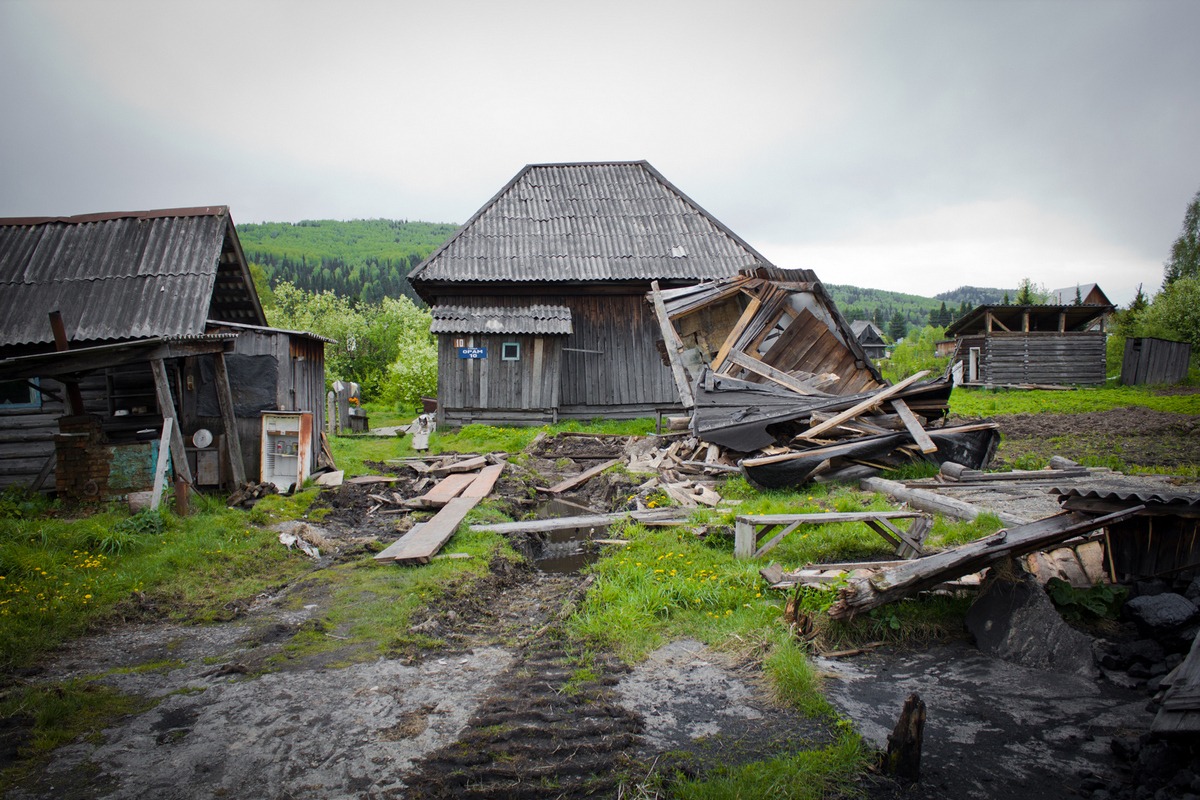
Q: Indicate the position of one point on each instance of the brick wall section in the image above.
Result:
(81, 472)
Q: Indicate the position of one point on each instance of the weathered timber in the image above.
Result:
(914, 426)
(1180, 711)
(581, 478)
(466, 465)
(674, 348)
(743, 321)
(444, 491)
(859, 408)
(666, 516)
(863, 594)
(770, 373)
(420, 544)
(933, 502)
(483, 484)
(903, 759)
(749, 528)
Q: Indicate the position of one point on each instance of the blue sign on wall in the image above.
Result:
(472, 352)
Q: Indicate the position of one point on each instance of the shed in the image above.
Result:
(111, 323)
(1154, 361)
(870, 337)
(587, 240)
(1031, 344)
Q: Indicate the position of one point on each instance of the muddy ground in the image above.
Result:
(503, 710)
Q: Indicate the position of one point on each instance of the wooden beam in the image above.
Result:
(160, 468)
(768, 372)
(162, 388)
(674, 348)
(743, 321)
(482, 485)
(934, 502)
(233, 442)
(918, 433)
(870, 402)
(586, 475)
(61, 344)
(419, 545)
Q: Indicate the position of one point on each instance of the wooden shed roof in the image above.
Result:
(123, 276)
(530, 319)
(612, 221)
(1041, 318)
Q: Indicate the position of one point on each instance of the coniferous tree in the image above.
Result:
(1185, 252)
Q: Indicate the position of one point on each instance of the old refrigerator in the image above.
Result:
(287, 442)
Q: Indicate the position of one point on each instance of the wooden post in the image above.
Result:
(674, 348)
(61, 344)
(160, 468)
(904, 743)
(744, 539)
(233, 442)
(162, 388)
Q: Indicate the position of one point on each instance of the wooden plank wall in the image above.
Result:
(1154, 361)
(1062, 358)
(495, 390)
(612, 360)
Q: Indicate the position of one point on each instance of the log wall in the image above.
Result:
(1053, 358)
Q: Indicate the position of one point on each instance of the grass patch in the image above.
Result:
(60, 576)
(998, 402)
(806, 775)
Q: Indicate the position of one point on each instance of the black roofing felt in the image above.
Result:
(588, 222)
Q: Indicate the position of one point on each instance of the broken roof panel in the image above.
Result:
(588, 222)
(531, 319)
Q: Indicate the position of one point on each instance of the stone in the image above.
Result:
(1160, 613)
(1014, 620)
(1150, 587)
(1192, 592)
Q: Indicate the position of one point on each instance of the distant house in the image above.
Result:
(112, 323)
(870, 337)
(1089, 294)
(539, 300)
(1036, 344)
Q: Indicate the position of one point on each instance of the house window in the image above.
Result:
(510, 351)
(20, 394)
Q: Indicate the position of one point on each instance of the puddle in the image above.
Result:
(571, 549)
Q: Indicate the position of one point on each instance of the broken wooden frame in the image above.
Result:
(896, 583)
(749, 529)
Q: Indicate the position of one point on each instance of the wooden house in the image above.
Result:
(559, 263)
(1088, 294)
(1035, 344)
(870, 337)
(111, 324)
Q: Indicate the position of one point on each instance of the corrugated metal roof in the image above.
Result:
(589, 222)
(1131, 495)
(536, 319)
(113, 276)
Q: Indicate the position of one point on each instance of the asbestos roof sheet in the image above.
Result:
(589, 222)
(533, 319)
(1042, 318)
(1115, 491)
(117, 276)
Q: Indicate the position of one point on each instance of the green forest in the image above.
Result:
(362, 260)
(880, 306)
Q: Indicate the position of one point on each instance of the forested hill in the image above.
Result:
(880, 306)
(364, 259)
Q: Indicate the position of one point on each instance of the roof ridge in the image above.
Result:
(108, 216)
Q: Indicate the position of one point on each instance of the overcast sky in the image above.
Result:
(910, 146)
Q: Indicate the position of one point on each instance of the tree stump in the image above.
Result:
(903, 760)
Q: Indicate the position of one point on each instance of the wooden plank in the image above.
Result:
(743, 321)
(776, 539)
(421, 543)
(233, 442)
(586, 475)
(160, 468)
(162, 388)
(870, 402)
(444, 491)
(824, 517)
(665, 516)
(932, 501)
(466, 465)
(770, 373)
(674, 348)
(914, 427)
(482, 485)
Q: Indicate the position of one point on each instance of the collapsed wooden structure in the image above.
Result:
(768, 367)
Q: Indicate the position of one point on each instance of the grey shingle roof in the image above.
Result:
(588, 222)
(535, 319)
(122, 276)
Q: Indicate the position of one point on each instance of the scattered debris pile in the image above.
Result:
(767, 367)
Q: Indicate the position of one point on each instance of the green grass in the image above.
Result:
(60, 576)
(806, 775)
(992, 402)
